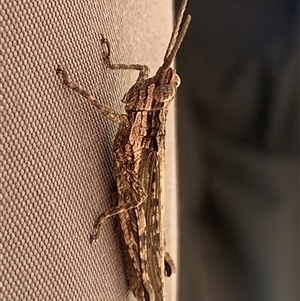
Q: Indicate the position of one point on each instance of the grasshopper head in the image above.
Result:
(168, 82)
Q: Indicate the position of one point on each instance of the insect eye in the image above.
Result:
(164, 92)
(177, 80)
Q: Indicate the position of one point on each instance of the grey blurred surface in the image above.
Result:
(238, 127)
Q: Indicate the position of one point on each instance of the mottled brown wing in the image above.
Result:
(143, 235)
(154, 220)
(131, 242)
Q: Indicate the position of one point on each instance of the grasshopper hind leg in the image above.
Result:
(129, 202)
(111, 212)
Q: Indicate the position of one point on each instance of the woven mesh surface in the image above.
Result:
(56, 161)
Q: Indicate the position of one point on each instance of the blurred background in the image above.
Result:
(238, 128)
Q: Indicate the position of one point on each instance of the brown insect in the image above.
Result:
(139, 149)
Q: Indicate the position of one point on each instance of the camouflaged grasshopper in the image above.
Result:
(139, 149)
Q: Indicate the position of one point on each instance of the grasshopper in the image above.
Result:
(138, 150)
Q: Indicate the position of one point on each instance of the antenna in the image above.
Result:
(177, 36)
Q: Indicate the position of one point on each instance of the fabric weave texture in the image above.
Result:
(56, 149)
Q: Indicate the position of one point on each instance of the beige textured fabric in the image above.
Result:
(56, 161)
